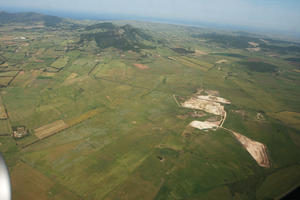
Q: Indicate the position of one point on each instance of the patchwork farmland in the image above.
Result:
(50, 129)
(135, 110)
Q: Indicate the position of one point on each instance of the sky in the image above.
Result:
(282, 15)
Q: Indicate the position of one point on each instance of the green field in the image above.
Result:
(124, 135)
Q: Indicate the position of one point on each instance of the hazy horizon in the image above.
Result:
(265, 15)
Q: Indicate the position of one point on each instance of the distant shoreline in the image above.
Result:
(279, 34)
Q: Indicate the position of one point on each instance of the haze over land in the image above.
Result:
(269, 15)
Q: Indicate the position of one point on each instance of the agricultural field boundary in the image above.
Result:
(49, 130)
(3, 111)
(122, 83)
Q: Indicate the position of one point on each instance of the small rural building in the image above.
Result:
(19, 132)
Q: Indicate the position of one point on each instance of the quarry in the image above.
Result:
(211, 103)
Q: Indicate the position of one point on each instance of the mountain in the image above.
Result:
(121, 37)
(29, 18)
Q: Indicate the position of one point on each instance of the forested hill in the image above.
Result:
(121, 37)
(29, 18)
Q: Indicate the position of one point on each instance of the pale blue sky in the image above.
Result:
(270, 14)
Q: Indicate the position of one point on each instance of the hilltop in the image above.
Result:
(29, 18)
(121, 37)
